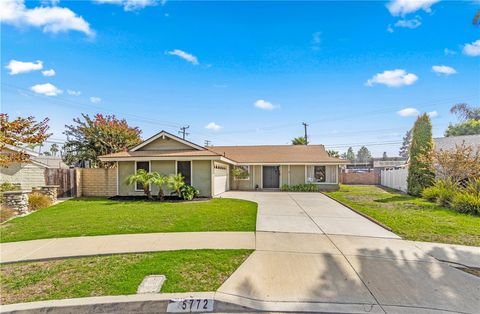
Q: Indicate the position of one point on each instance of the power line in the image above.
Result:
(183, 131)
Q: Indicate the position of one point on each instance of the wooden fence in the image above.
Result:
(65, 178)
(369, 178)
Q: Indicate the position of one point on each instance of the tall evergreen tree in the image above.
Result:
(405, 149)
(363, 154)
(349, 155)
(419, 174)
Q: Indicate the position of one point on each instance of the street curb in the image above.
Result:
(136, 303)
(360, 213)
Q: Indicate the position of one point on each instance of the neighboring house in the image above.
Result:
(209, 169)
(28, 175)
(377, 164)
(448, 143)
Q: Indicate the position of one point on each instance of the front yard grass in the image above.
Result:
(100, 216)
(199, 270)
(412, 218)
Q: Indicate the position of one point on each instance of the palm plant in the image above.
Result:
(175, 183)
(143, 177)
(160, 180)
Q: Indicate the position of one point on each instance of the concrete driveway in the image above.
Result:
(315, 255)
(308, 213)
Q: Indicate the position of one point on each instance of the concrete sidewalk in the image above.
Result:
(125, 243)
(348, 274)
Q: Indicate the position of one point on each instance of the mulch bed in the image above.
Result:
(166, 198)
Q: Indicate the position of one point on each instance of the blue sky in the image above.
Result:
(357, 72)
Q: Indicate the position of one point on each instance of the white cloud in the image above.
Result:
(393, 78)
(50, 72)
(316, 40)
(46, 89)
(403, 7)
(17, 67)
(447, 52)
(50, 19)
(132, 5)
(184, 55)
(213, 126)
(73, 92)
(472, 49)
(263, 104)
(390, 29)
(408, 112)
(433, 114)
(443, 69)
(95, 100)
(412, 23)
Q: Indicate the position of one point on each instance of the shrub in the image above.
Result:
(445, 197)
(38, 201)
(7, 186)
(188, 192)
(466, 203)
(307, 187)
(431, 193)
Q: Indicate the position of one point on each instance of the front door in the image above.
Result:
(271, 177)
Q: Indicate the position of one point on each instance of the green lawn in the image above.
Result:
(411, 218)
(100, 216)
(200, 270)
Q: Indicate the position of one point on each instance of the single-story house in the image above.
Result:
(211, 169)
(450, 142)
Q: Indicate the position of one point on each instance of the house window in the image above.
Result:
(145, 165)
(241, 173)
(319, 173)
(185, 168)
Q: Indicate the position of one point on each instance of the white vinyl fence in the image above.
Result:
(395, 179)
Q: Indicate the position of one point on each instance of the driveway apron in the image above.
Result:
(316, 255)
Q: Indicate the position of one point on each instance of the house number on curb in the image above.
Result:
(190, 305)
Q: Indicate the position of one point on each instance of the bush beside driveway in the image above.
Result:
(100, 216)
(412, 218)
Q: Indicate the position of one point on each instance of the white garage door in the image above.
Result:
(220, 178)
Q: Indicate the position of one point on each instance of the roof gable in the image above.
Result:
(164, 141)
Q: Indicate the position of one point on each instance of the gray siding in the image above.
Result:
(165, 144)
(202, 176)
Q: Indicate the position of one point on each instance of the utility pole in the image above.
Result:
(183, 131)
(207, 143)
(306, 137)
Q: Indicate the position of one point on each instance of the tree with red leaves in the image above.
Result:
(18, 133)
(89, 138)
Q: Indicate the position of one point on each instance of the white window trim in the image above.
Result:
(319, 183)
(149, 170)
(244, 179)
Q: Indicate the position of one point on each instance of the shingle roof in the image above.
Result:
(165, 153)
(276, 154)
(447, 143)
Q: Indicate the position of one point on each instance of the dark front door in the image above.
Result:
(184, 167)
(271, 177)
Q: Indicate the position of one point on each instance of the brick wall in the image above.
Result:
(96, 182)
(369, 178)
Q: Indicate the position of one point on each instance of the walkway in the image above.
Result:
(125, 243)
